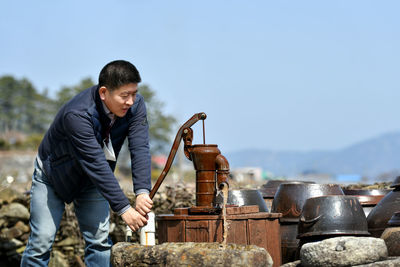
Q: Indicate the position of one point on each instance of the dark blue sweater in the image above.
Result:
(72, 155)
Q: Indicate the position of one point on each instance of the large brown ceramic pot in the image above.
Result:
(378, 218)
(367, 198)
(332, 216)
(289, 200)
(269, 189)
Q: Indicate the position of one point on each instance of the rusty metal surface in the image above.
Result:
(203, 157)
(212, 170)
(195, 118)
(332, 215)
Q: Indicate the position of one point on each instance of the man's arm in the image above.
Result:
(93, 162)
(138, 138)
(91, 158)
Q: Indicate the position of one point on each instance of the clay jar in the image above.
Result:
(332, 216)
(247, 197)
(367, 198)
(395, 220)
(289, 200)
(269, 189)
(378, 218)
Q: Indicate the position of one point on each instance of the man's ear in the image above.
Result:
(102, 92)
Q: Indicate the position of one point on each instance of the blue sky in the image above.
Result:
(281, 75)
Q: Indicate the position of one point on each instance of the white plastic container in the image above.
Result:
(147, 232)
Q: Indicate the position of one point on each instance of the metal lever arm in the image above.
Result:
(195, 118)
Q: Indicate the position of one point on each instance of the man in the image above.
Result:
(76, 160)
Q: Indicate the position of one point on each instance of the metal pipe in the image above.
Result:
(195, 118)
(222, 166)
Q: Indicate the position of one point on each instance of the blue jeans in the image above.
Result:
(91, 209)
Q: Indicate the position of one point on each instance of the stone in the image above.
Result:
(126, 254)
(10, 245)
(3, 222)
(57, 259)
(21, 250)
(24, 237)
(22, 226)
(391, 262)
(10, 233)
(343, 251)
(292, 264)
(69, 241)
(391, 236)
(8, 195)
(15, 211)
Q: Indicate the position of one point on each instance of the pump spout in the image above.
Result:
(222, 165)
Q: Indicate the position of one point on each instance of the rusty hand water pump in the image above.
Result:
(212, 168)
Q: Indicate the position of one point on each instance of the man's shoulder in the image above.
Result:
(82, 103)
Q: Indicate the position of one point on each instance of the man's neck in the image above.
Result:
(108, 112)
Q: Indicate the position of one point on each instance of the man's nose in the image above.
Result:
(130, 100)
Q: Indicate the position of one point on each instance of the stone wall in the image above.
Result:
(68, 249)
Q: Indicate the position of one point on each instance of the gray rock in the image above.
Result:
(8, 195)
(189, 254)
(343, 251)
(292, 264)
(10, 233)
(391, 262)
(21, 226)
(391, 236)
(69, 241)
(3, 222)
(15, 211)
(10, 245)
(58, 259)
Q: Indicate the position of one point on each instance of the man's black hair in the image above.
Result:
(118, 73)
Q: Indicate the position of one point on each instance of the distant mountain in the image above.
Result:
(370, 158)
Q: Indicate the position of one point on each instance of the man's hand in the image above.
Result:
(134, 219)
(143, 204)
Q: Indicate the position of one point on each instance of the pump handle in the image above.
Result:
(195, 118)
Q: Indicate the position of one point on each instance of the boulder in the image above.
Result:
(10, 233)
(10, 245)
(58, 259)
(22, 226)
(8, 195)
(390, 262)
(69, 241)
(391, 236)
(343, 251)
(189, 254)
(292, 264)
(14, 211)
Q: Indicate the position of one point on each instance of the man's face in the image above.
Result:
(119, 100)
